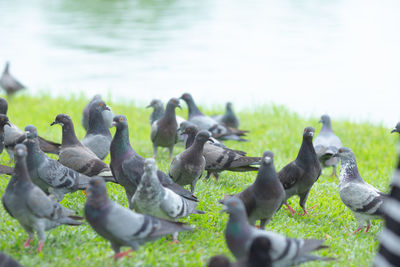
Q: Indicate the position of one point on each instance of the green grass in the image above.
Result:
(271, 128)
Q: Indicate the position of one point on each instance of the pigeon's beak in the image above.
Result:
(267, 160)
(149, 106)
(179, 106)
(8, 123)
(107, 108)
(211, 140)
(113, 124)
(53, 123)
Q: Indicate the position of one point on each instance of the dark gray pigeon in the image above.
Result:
(361, 198)
(188, 166)
(3, 122)
(265, 196)
(127, 166)
(9, 83)
(300, 175)
(326, 144)
(121, 226)
(282, 251)
(98, 137)
(75, 155)
(229, 119)
(218, 157)
(7, 261)
(207, 123)
(164, 130)
(50, 175)
(107, 114)
(27, 203)
(396, 129)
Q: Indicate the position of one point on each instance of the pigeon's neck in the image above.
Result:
(326, 126)
(21, 171)
(35, 154)
(229, 115)
(150, 183)
(120, 143)
(96, 209)
(6, 69)
(3, 108)
(169, 113)
(189, 139)
(193, 109)
(349, 170)
(96, 123)
(197, 146)
(157, 113)
(307, 152)
(237, 224)
(266, 175)
(68, 135)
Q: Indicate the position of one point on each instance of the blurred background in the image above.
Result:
(337, 57)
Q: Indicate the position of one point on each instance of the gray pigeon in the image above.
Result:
(326, 144)
(107, 114)
(361, 198)
(207, 123)
(229, 119)
(163, 131)
(3, 122)
(265, 196)
(47, 173)
(158, 110)
(121, 226)
(282, 251)
(29, 204)
(396, 129)
(153, 199)
(127, 166)
(75, 155)
(98, 137)
(9, 83)
(7, 261)
(188, 166)
(300, 175)
(218, 157)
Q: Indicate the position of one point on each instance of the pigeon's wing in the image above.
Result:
(5, 206)
(39, 204)
(248, 198)
(173, 205)
(289, 174)
(56, 174)
(154, 131)
(361, 197)
(49, 146)
(132, 168)
(12, 135)
(167, 182)
(6, 170)
(175, 168)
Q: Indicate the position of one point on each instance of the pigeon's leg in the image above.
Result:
(303, 200)
(208, 175)
(31, 235)
(263, 223)
(216, 175)
(175, 238)
(42, 238)
(193, 185)
(292, 211)
(334, 174)
(360, 224)
(129, 196)
(155, 148)
(368, 226)
(171, 151)
(120, 255)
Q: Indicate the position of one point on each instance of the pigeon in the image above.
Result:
(158, 110)
(98, 137)
(188, 166)
(282, 251)
(207, 123)
(27, 203)
(396, 129)
(327, 144)
(7, 261)
(163, 131)
(361, 198)
(229, 119)
(9, 83)
(3, 121)
(121, 226)
(107, 114)
(218, 157)
(14, 135)
(75, 155)
(299, 175)
(48, 174)
(265, 196)
(389, 239)
(127, 166)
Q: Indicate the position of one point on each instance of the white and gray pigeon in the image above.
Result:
(283, 251)
(300, 175)
(265, 196)
(396, 129)
(153, 199)
(326, 144)
(164, 130)
(9, 83)
(218, 157)
(229, 119)
(107, 114)
(98, 137)
(188, 166)
(207, 123)
(48, 174)
(75, 155)
(128, 166)
(389, 249)
(121, 226)
(27, 203)
(361, 198)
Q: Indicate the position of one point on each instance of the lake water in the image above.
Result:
(336, 57)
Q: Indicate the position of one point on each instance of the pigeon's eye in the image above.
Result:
(121, 119)
(101, 104)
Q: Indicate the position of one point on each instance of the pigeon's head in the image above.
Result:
(4, 121)
(219, 261)
(174, 102)
(186, 97)
(188, 128)
(308, 132)
(396, 129)
(99, 105)
(7, 67)
(150, 165)
(233, 205)
(96, 97)
(203, 136)
(3, 106)
(120, 122)
(258, 253)
(344, 153)
(229, 106)
(156, 104)
(61, 119)
(268, 158)
(20, 151)
(97, 187)
(325, 119)
(31, 132)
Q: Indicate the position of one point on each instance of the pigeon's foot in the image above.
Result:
(358, 230)
(40, 248)
(120, 255)
(305, 211)
(27, 243)
(292, 211)
(368, 227)
(216, 175)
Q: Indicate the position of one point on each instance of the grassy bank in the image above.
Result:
(272, 128)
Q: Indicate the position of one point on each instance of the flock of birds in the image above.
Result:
(159, 199)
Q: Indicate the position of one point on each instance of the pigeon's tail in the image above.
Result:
(106, 173)
(70, 221)
(49, 146)
(232, 137)
(6, 170)
(76, 218)
(110, 179)
(311, 245)
(243, 169)
(306, 258)
(198, 212)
